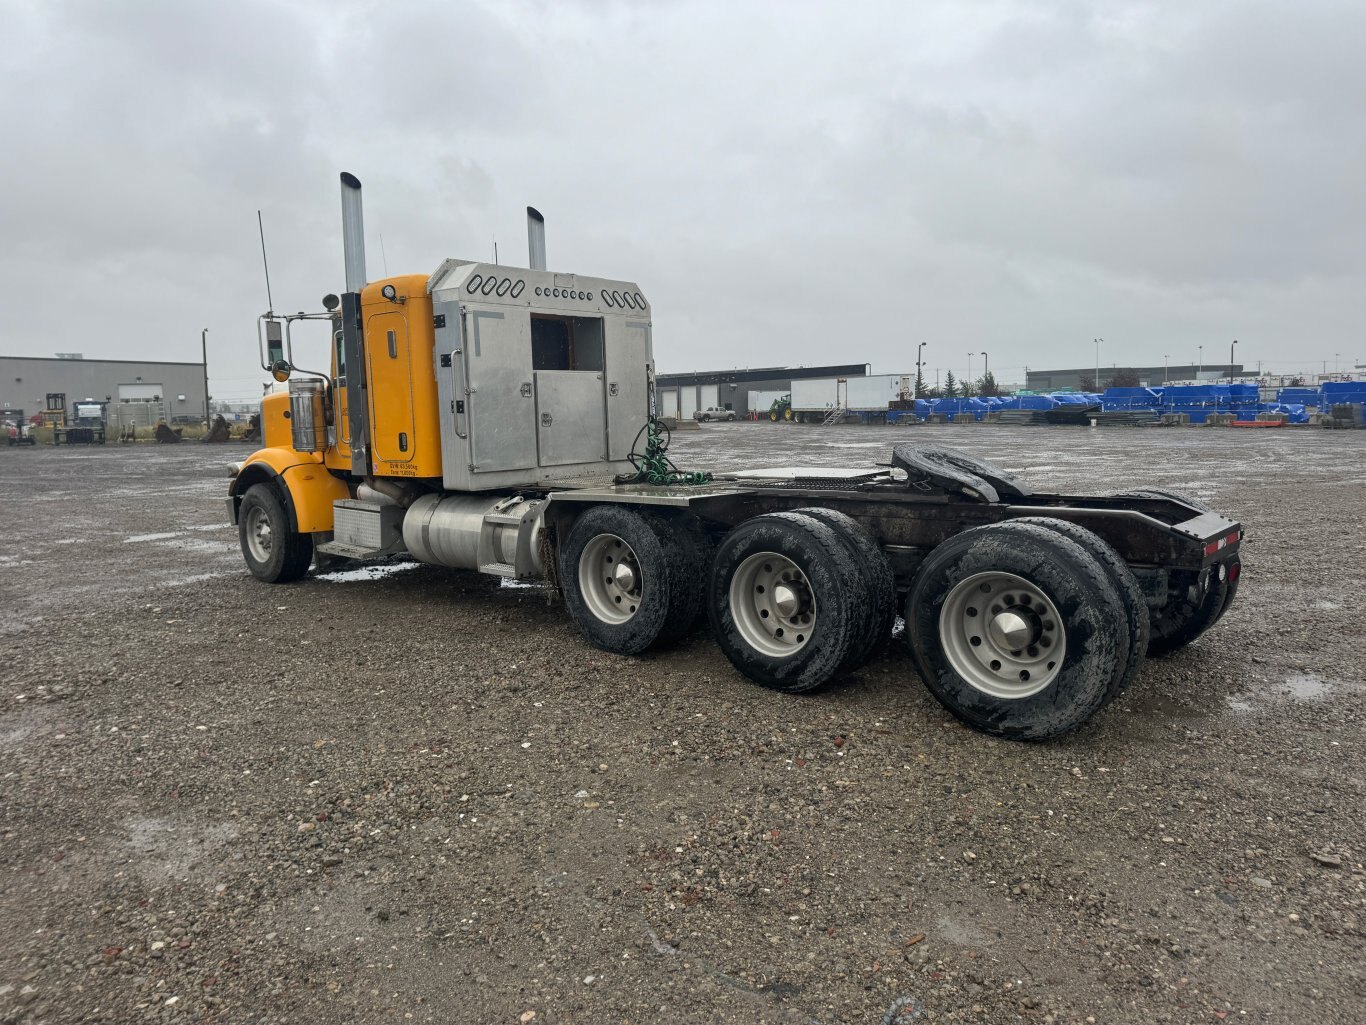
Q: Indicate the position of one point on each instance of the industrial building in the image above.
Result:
(681, 395)
(1148, 377)
(139, 392)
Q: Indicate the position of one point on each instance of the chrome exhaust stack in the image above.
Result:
(353, 232)
(535, 238)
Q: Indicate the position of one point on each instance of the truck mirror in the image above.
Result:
(280, 370)
(275, 344)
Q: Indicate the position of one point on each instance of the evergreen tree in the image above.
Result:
(919, 381)
(987, 385)
(950, 386)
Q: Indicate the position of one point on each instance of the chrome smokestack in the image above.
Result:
(535, 238)
(353, 232)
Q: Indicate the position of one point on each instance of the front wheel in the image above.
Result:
(1017, 630)
(272, 551)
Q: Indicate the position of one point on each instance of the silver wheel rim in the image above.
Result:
(610, 578)
(259, 540)
(1002, 635)
(773, 605)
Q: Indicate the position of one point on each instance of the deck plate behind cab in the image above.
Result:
(805, 473)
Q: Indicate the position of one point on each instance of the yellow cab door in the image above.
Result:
(393, 441)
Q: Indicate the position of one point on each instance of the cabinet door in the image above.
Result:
(572, 424)
(502, 404)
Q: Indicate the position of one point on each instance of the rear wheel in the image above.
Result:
(272, 551)
(628, 581)
(878, 582)
(786, 601)
(1135, 607)
(1016, 630)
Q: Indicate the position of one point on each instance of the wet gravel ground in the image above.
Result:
(417, 796)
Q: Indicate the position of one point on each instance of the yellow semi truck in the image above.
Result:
(498, 419)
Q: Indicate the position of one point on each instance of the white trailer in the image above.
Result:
(817, 394)
(762, 401)
(872, 394)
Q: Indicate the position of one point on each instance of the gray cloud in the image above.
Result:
(789, 183)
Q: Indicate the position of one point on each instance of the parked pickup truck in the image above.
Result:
(713, 413)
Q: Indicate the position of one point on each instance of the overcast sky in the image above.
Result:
(789, 183)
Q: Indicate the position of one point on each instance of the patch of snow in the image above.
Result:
(136, 538)
(350, 576)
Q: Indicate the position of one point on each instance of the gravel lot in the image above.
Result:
(419, 797)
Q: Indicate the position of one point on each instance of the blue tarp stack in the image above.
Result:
(1295, 412)
(1132, 400)
(1298, 396)
(1337, 393)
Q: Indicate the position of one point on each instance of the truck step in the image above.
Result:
(346, 551)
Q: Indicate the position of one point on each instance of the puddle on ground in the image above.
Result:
(1307, 686)
(1297, 687)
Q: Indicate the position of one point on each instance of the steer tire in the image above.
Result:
(828, 575)
(663, 606)
(1135, 607)
(272, 550)
(1041, 577)
(880, 582)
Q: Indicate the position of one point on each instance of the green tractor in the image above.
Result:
(781, 409)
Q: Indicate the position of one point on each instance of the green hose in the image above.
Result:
(654, 467)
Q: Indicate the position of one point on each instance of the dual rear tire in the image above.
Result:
(1023, 629)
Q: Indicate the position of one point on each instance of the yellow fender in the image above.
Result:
(308, 488)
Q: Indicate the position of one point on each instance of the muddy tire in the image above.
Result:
(1135, 607)
(787, 603)
(272, 551)
(878, 581)
(1016, 630)
(628, 582)
(693, 559)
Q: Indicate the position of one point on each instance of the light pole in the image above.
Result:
(1095, 382)
(1165, 357)
(919, 353)
(986, 364)
(1230, 361)
(204, 355)
(1200, 362)
(968, 382)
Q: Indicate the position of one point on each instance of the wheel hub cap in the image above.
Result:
(772, 604)
(610, 579)
(1011, 631)
(1002, 634)
(785, 600)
